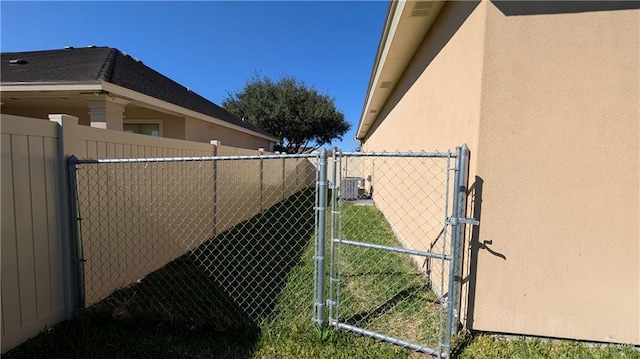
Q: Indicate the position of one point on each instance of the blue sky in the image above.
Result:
(213, 47)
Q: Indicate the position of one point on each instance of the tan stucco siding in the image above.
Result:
(435, 106)
(172, 126)
(436, 102)
(82, 113)
(547, 96)
(558, 153)
(200, 131)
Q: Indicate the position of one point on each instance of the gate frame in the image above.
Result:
(457, 222)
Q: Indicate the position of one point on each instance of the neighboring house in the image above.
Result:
(107, 88)
(547, 96)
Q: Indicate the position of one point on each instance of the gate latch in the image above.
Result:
(455, 221)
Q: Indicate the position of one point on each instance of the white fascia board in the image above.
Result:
(395, 13)
(404, 36)
(146, 99)
(51, 86)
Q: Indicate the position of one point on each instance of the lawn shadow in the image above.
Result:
(233, 279)
(209, 302)
(251, 262)
(366, 316)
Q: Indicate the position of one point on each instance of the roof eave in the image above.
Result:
(51, 86)
(161, 104)
(127, 94)
(406, 25)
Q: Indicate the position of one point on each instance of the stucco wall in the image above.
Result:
(82, 113)
(436, 102)
(547, 97)
(172, 126)
(196, 130)
(177, 127)
(436, 106)
(558, 154)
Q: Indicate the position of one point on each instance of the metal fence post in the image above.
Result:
(216, 145)
(76, 237)
(284, 177)
(261, 153)
(320, 245)
(334, 211)
(459, 207)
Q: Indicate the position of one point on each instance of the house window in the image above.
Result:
(151, 128)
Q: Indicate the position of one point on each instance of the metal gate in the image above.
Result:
(396, 228)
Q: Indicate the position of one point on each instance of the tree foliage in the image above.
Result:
(299, 115)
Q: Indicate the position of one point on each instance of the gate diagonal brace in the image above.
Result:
(456, 221)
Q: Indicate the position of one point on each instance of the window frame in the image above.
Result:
(146, 122)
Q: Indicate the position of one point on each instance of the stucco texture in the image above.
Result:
(547, 96)
(558, 154)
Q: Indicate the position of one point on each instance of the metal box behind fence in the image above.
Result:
(350, 187)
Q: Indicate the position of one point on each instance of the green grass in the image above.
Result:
(210, 304)
(297, 337)
(384, 291)
(486, 346)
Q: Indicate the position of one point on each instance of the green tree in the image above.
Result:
(299, 115)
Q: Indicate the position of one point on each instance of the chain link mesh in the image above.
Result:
(200, 241)
(231, 242)
(389, 269)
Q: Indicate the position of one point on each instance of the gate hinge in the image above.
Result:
(455, 221)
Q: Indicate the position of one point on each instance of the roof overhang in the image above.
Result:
(50, 86)
(405, 27)
(153, 102)
(134, 97)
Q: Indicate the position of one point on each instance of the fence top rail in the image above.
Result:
(448, 154)
(191, 159)
(262, 157)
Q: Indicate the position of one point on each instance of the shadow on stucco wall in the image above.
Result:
(452, 16)
(520, 8)
(475, 199)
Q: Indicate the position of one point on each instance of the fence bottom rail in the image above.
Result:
(379, 336)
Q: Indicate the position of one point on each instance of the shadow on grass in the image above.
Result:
(206, 303)
(366, 316)
(252, 261)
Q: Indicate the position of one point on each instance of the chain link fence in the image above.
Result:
(243, 240)
(221, 240)
(391, 248)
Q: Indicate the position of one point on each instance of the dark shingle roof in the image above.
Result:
(110, 65)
